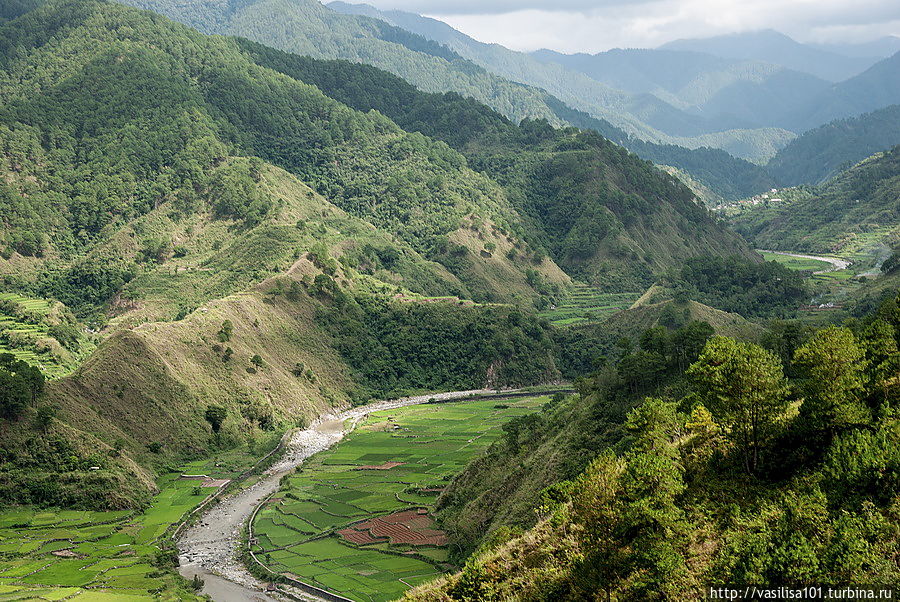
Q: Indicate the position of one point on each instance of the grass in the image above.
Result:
(113, 552)
(800, 264)
(296, 533)
(585, 304)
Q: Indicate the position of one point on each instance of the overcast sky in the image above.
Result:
(597, 25)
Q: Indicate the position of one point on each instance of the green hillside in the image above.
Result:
(202, 101)
(821, 153)
(131, 193)
(601, 213)
(308, 28)
(651, 483)
(836, 217)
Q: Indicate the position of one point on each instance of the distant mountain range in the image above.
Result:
(770, 46)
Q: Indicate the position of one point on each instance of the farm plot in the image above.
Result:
(42, 334)
(586, 304)
(356, 519)
(94, 556)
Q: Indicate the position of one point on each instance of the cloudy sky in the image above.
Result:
(597, 25)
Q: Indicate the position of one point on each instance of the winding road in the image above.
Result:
(210, 547)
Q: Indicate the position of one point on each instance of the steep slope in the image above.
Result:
(857, 203)
(201, 101)
(308, 28)
(821, 153)
(601, 213)
(125, 194)
(875, 88)
(776, 48)
(651, 116)
(751, 92)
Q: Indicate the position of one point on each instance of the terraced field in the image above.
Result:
(355, 519)
(90, 556)
(586, 304)
(25, 332)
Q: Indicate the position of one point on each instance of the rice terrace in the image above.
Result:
(355, 520)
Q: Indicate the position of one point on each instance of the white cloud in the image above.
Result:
(582, 26)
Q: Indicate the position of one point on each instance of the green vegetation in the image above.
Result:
(591, 204)
(307, 28)
(585, 304)
(822, 153)
(43, 333)
(741, 469)
(800, 264)
(399, 348)
(750, 289)
(323, 525)
(84, 555)
(834, 218)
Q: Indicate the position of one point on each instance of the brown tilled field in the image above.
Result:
(411, 527)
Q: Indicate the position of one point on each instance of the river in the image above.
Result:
(211, 546)
(836, 264)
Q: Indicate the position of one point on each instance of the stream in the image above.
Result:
(210, 547)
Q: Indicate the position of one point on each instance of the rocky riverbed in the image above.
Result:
(210, 547)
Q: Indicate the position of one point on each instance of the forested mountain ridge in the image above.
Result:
(201, 101)
(131, 191)
(602, 213)
(821, 153)
(309, 28)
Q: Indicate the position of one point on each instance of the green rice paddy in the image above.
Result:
(296, 533)
(585, 304)
(800, 264)
(88, 556)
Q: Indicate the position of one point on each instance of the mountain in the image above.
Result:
(650, 116)
(233, 233)
(856, 206)
(752, 93)
(770, 46)
(132, 190)
(875, 88)
(878, 48)
(602, 214)
(821, 153)
(572, 87)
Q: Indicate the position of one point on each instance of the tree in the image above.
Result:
(257, 361)
(743, 385)
(216, 415)
(226, 331)
(14, 394)
(688, 342)
(44, 417)
(832, 368)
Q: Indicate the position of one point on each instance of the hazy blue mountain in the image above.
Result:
(880, 48)
(749, 94)
(875, 88)
(770, 46)
(822, 153)
(647, 112)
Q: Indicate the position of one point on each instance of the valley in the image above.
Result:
(331, 301)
